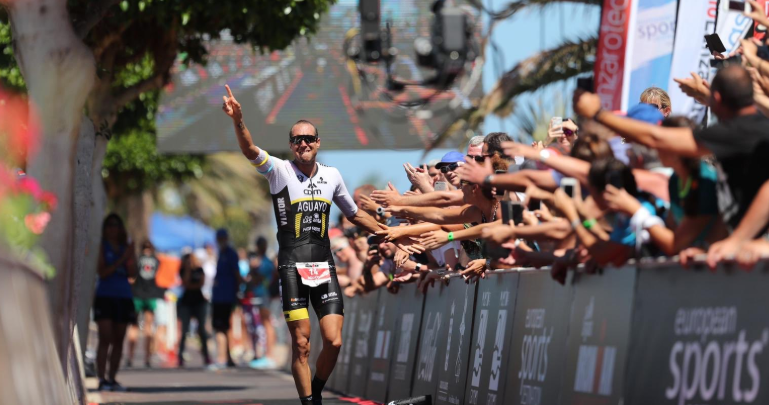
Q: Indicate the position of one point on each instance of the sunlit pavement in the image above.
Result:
(197, 386)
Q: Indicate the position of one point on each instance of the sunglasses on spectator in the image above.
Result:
(449, 168)
(337, 250)
(298, 139)
(479, 158)
(568, 132)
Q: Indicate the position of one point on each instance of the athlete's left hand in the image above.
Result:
(434, 239)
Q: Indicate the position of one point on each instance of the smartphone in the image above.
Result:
(556, 122)
(535, 204)
(568, 184)
(714, 42)
(586, 84)
(738, 5)
(373, 240)
(441, 186)
(500, 191)
(517, 212)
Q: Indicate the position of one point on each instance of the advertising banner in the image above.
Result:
(699, 337)
(343, 364)
(696, 18)
(731, 26)
(611, 73)
(540, 329)
(652, 47)
(383, 335)
(432, 342)
(452, 368)
(599, 337)
(362, 343)
(759, 31)
(408, 323)
(492, 329)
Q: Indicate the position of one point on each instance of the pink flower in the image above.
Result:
(29, 186)
(18, 128)
(36, 223)
(49, 199)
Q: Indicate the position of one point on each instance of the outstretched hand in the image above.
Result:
(231, 106)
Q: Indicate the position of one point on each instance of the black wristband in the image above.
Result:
(595, 117)
(487, 180)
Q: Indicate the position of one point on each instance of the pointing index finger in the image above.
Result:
(229, 92)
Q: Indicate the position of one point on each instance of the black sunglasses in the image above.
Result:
(568, 132)
(449, 168)
(298, 139)
(479, 159)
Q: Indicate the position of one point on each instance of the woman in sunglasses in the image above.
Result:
(565, 135)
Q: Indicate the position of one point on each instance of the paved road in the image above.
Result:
(196, 386)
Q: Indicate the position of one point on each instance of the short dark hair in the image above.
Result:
(291, 130)
(735, 86)
(602, 170)
(494, 141)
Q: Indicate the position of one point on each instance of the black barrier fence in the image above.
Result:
(648, 334)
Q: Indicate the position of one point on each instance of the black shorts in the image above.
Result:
(119, 310)
(222, 312)
(326, 298)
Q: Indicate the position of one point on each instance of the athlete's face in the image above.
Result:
(304, 152)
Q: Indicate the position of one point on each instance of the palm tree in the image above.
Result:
(565, 61)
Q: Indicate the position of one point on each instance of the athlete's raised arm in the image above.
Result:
(232, 108)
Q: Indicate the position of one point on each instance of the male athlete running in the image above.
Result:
(302, 191)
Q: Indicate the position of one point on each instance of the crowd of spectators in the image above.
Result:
(604, 188)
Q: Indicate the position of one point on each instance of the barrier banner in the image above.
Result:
(362, 343)
(432, 342)
(452, 368)
(407, 325)
(611, 70)
(599, 336)
(492, 329)
(699, 337)
(342, 369)
(732, 26)
(538, 345)
(383, 335)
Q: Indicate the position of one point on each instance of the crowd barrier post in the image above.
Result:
(362, 342)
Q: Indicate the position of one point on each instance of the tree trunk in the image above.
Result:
(29, 364)
(59, 71)
(139, 208)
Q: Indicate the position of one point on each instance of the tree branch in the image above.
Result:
(93, 14)
(133, 92)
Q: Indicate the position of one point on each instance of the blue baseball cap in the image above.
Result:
(647, 113)
(222, 233)
(449, 158)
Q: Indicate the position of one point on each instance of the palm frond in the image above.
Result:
(563, 62)
(516, 6)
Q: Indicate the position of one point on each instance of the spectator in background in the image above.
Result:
(207, 258)
(146, 294)
(113, 306)
(658, 98)
(347, 258)
(261, 276)
(224, 297)
(192, 304)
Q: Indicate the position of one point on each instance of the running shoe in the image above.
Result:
(104, 385)
(263, 364)
(116, 387)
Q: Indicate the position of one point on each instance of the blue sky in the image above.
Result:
(517, 38)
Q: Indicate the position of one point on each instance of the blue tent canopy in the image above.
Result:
(172, 234)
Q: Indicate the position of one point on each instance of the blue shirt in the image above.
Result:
(225, 282)
(707, 198)
(621, 232)
(115, 285)
(265, 269)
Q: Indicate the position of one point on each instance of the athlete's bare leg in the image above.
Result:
(331, 331)
(300, 353)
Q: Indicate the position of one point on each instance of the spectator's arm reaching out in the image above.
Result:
(437, 238)
(458, 215)
(752, 223)
(439, 199)
(675, 140)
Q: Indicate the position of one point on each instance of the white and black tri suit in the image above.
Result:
(302, 208)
